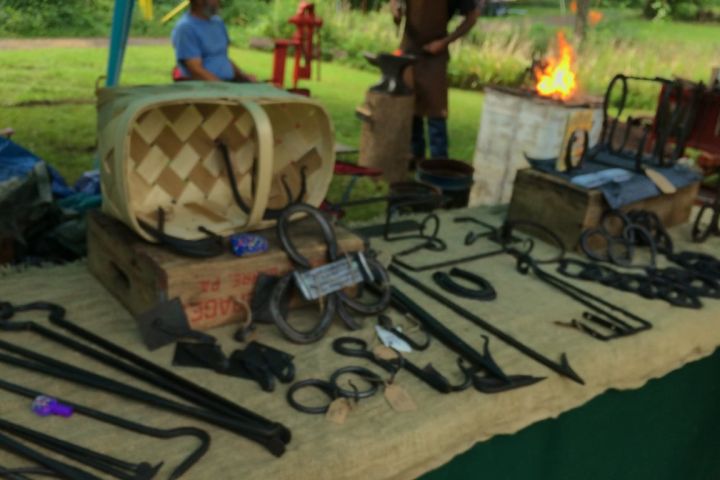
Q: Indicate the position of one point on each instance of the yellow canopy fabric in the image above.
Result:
(146, 7)
(172, 13)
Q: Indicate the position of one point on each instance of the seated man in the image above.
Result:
(201, 45)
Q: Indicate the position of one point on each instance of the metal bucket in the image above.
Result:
(452, 177)
(415, 196)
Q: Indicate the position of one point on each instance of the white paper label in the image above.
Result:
(390, 340)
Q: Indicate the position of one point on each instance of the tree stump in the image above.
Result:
(386, 133)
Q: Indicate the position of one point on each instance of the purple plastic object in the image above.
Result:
(45, 406)
(247, 244)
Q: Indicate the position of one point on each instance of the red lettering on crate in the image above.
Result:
(210, 308)
(210, 285)
(228, 306)
(194, 312)
(248, 279)
(218, 308)
(243, 279)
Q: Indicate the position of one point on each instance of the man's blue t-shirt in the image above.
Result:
(195, 37)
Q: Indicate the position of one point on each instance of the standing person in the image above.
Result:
(201, 42)
(426, 36)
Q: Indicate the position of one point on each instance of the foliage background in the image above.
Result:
(92, 17)
(498, 51)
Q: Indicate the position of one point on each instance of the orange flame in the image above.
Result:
(556, 78)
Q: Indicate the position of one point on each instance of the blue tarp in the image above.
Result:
(634, 188)
(17, 162)
(44, 216)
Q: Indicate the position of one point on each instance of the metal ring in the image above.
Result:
(279, 295)
(658, 236)
(585, 243)
(628, 251)
(368, 375)
(606, 137)
(646, 235)
(625, 219)
(325, 227)
(326, 387)
(663, 241)
(698, 234)
(569, 149)
(351, 346)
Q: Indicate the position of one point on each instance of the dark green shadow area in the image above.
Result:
(667, 430)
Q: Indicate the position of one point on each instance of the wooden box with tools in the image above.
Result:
(213, 291)
(568, 209)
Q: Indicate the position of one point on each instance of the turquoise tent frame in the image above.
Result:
(122, 18)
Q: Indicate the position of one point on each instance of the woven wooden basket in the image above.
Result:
(159, 151)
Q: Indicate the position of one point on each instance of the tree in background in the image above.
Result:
(40, 17)
(581, 18)
(687, 10)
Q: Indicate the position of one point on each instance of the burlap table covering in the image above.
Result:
(375, 442)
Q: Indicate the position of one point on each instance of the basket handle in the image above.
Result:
(264, 164)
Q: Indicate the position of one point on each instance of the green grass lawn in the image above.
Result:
(623, 42)
(64, 135)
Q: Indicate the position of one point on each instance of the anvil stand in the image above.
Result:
(387, 118)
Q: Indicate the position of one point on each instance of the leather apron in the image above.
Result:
(427, 20)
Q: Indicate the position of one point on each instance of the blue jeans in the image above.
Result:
(437, 133)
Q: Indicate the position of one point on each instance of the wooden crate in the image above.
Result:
(568, 209)
(214, 291)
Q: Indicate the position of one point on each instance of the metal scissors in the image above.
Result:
(357, 347)
(331, 388)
